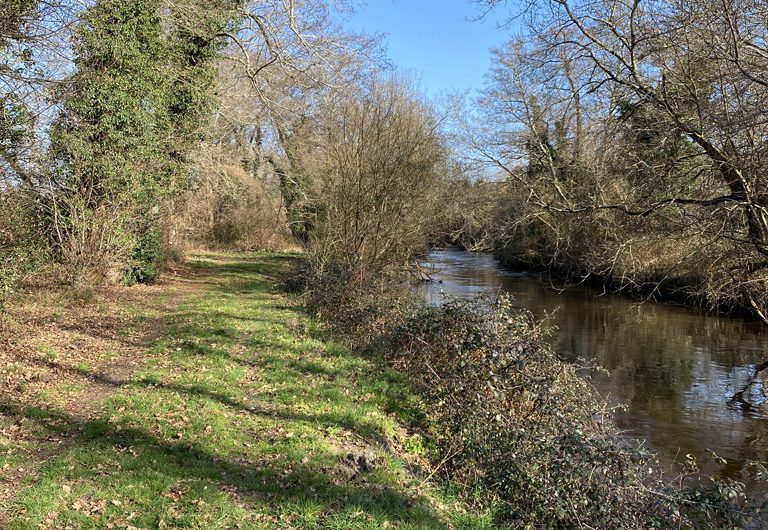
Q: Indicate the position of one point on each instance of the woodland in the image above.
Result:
(263, 152)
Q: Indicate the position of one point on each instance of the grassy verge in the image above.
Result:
(237, 416)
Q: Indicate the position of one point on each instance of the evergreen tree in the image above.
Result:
(132, 111)
(16, 121)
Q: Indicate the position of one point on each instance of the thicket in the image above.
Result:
(630, 141)
(227, 206)
(382, 157)
(513, 426)
(23, 248)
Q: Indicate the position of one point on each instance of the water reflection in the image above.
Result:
(675, 369)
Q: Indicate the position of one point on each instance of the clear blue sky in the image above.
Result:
(435, 39)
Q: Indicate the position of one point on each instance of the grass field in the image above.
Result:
(209, 401)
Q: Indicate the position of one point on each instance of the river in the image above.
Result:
(674, 369)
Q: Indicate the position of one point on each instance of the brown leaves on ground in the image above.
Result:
(52, 338)
(58, 352)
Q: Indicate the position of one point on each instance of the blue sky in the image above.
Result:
(434, 39)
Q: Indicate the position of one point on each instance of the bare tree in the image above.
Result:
(285, 63)
(381, 156)
(654, 110)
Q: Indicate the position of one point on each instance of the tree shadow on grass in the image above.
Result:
(361, 427)
(140, 453)
(193, 326)
(279, 482)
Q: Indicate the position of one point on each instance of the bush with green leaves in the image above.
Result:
(513, 425)
(23, 244)
(147, 256)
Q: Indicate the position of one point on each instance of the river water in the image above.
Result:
(675, 369)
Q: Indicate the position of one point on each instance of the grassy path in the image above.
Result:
(236, 416)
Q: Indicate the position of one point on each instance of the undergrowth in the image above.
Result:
(514, 427)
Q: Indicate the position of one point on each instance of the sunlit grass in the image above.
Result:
(240, 419)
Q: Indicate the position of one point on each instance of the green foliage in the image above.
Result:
(195, 44)
(293, 189)
(132, 111)
(520, 423)
(656, 155)
(299, 222)
(115, 120)
(540, 153)
(513, 423)
(16, 122)
(23, 245)
(147, 255)
(12, 14)
(112, 136)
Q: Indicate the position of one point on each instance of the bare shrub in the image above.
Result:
(226, 207)
(381, 156)
(93, 244)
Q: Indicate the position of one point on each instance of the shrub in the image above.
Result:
(517, 421)
(510, 418)
(514, 425)
(147, 256)
(92, 244)
(227, 207)
(382, 159)
(23, 246)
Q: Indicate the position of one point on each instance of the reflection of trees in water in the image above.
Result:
(674, 368)
(751, 396)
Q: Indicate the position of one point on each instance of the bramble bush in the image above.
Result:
(519, 422)
(513, 425)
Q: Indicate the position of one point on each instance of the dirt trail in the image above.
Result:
(68, 354)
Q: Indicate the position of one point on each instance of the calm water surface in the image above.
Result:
(675, 369)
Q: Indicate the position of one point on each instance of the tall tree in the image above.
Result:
(16, 120)
(131, 112)
(681, 94)
(295, 57)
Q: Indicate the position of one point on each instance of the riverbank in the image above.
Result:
(674, 370)
(670, 289)
(210, 400)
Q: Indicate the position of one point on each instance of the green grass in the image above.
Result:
(240, 420)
